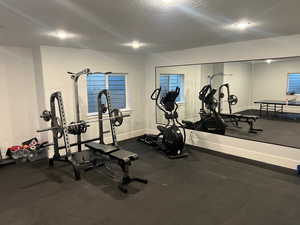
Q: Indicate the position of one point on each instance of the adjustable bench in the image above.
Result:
(236, 118)
(124, 159)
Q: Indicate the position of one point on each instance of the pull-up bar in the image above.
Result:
(211, 77)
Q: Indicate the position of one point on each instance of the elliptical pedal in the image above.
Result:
(183, 155)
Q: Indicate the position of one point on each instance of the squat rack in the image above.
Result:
(75, 77)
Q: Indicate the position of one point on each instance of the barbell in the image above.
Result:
(81, 127)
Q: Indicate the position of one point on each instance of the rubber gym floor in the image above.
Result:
(281, 129)
(205, 188)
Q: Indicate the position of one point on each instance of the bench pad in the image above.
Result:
(248, 116)
(124, 155)
(105, 149)
(241, 116)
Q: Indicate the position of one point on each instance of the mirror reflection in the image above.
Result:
(188, 80)
(255, 100)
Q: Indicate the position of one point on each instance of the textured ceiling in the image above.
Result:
(106, 24)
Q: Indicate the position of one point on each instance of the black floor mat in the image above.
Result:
(279, 129)
(202, 189)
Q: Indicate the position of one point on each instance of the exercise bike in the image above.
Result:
(210, 121)
(171, 137)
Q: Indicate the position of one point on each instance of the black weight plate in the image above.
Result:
(117, 119)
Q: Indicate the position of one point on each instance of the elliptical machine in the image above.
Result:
(171, 137)
(210, 121)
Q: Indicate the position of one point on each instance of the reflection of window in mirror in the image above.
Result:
(293, 84)
(169, 82)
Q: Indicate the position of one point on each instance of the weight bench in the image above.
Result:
(236, 118)
(124, 159)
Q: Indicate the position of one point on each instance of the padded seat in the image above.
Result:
(105, 149)
(124, 155)
(247, 116)
(241, 116)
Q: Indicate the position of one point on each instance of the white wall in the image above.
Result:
(206, 70)
(270, 80)
(18, 96)
(266, 48)
(239, 83)
(217, 81)
(56, 62)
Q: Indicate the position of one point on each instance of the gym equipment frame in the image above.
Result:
(172, 136)
(235, 118)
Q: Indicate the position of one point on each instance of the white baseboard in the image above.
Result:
(267, 153)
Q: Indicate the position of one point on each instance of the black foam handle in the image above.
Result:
(157, 93)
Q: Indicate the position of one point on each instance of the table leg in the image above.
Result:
(260, 110)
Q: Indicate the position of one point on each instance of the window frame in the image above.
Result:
(287, 83)
(127, 108)
(182, 74)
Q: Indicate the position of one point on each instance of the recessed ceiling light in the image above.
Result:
(135, 44)
(269, 61)
(167, 1)
(61, 34)
(243, 25)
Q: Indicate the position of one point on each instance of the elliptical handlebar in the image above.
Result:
(203, 92)
(155, 96)
(177, 90)
(156, 93)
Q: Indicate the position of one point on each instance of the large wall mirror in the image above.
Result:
(255, 100)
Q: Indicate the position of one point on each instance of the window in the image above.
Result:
(169, 82)
(293, 83)
(116, 85)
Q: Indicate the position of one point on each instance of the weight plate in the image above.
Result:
(117, 119)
